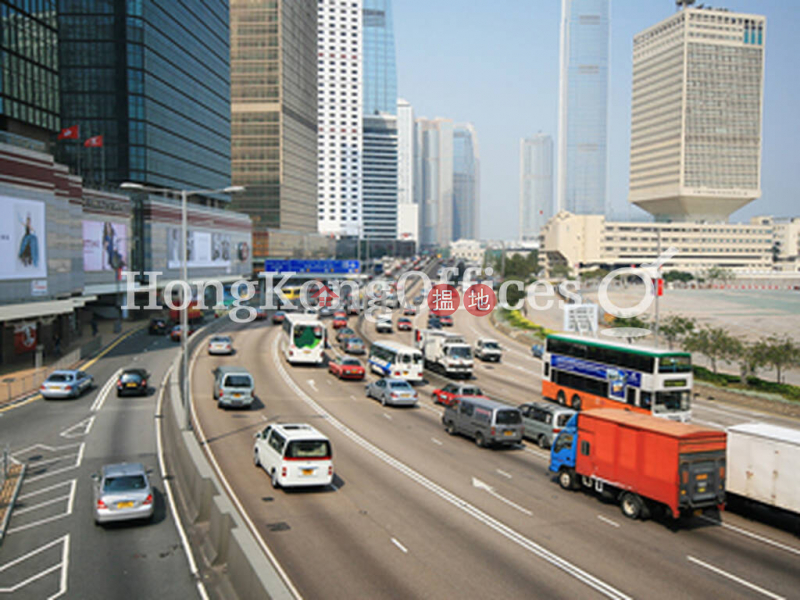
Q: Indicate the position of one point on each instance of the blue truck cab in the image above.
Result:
(563, 450)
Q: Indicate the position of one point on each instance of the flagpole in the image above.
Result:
(78, 150)
(103, 162)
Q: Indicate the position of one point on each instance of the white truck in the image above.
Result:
(762, 465)
(488, 350)
(448, 353)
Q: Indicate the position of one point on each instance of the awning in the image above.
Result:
(33, 310)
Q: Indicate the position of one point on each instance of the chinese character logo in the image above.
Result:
(479, 300)
(443, 300)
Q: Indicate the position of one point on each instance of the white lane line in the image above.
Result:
(387, 416)
(68, 512)
(710, 423)
(27, 509)
(64, 570)
(79, 429)
(63, 565)
(101, 397)
(187, 550)
(557, 561)
(41, 491)
(399, 545)
(609, 521)
(752, 535)
(47, 461)
(486, 487)
(353, 398)
(541, 455)
(733, 577)
(78, 461)
(435, 441)
(313, 384)
(504, 474)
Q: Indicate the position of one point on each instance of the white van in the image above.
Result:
(294, 455)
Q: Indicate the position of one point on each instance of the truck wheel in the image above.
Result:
(566, 478)
(479, 440)
(576, 402)
(561, 397)
(542, 441)
(450, 428)
(631, 505)
(275, 483)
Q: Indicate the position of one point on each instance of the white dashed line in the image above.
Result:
(732, 577)
(609, 521)
(399, 545)
(504, 474)
(435, 441)
(387, 416)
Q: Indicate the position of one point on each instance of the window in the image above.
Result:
(308, 449)
(467, 409)
(631, 396)
(277, 441)
(563, 442)
(585, 447)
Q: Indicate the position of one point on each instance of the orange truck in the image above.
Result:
(641, 461)
(194, 315)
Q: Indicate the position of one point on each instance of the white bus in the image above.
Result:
(304, 339)
(392, 359)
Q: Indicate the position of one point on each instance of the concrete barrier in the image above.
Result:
(216, 529)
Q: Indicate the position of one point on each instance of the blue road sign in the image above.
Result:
(316, 267)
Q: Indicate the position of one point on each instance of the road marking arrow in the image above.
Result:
(486, 487)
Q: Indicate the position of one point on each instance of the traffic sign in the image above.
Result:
(316, 267)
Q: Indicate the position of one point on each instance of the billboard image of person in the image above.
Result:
(22, 236)
(104, 245)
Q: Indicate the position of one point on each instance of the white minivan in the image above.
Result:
(294, 455)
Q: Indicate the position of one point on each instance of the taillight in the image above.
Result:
(119, 384)
(68, 388)
(144, 381)
(556, 431)
(101, 504)
(148, 500)
(283, 472)
(43, 387)
(291, 352)
(397, 373)
(394, 395)
(330, 470)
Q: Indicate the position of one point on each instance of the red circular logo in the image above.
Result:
(443, 300)
(479, 300)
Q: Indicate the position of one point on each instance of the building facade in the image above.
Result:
(466, 182)
(698, 81)
(380, 68)
(583, 106)
(405, 152)
(274, 114)
(380, 177)
(339, 82)
(535, 185)
(433, 175)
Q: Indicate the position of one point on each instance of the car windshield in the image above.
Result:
(308, 449)
(130, 377)
(460, 352)
(491, 345)
(671, 401)
(400, 385)
(59, 377)
(508, 417)
(238, 381)
(351, 362)
(471, 391)
(355, 342)
(124, 483)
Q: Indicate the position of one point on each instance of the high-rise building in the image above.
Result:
(380, 69)
(339, 82)
(274, 114)
(433, 176)
(29, 102)
(583, 106)
(535, 185)
(698, 85)
(466, 182)
(153, 79)
(405, 152)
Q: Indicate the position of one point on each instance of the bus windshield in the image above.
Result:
(675, 364)
(307, 336)
(671, 401)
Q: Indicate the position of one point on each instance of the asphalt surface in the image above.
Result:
(414, 512)
(53, 548)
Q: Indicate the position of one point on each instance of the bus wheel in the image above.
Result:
(576, 402)
(561, 398)
(631, 505)
(566, 479)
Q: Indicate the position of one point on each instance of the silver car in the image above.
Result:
(122, 492)
(395, 392)
(220, 344)
(66, 384)
(353, 345)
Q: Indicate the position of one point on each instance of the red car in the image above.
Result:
(346, 368)
(410, 311)
(339, 322)
(340, 314)
(451, 391)
(261, 314)
(278, 317)
(175, 334)
(404, 324)
(446, 321)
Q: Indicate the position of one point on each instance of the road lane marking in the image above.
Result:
(313, 385)
(352, 397)
(487, 488)
(504, 474)
(435, 441)
(541, 455)
(609, 521)
(63, 565)
(101, 397)
(68, 512)
(83, 428)
(752, 535)
(710, 423)
(387, 416)
(78, 461)
(27, 509)
(399, 545)
(41, 491)
(557, 561)
(733, 577)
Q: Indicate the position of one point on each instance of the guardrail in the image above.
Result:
(216, 528)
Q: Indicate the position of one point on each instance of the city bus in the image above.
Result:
(396, 360)
(303, 339)
(586, 373)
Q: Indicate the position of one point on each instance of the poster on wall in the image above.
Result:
(22, 236)
(203, 249)
(105, 245)
(25, 337)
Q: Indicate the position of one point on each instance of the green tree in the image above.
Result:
(715, 343)
(780, 353)
(718, 274)
(751, 357)
(560, 271)
(675, 328)
(681, 276)
(640, 323)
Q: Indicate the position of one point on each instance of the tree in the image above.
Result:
(715, 273)
(751, 357)
(682, 276)
(715, 343)
(780, 353)
(676, 327)
(639, 323)
(560, 271)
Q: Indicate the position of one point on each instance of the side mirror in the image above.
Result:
(95, 477)
(258, 435)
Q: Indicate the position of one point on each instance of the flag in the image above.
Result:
(70, 133)
(94, 142)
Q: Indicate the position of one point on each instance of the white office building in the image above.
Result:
(535, 185)
(340, 134)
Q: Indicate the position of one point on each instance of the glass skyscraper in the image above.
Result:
(466, 182)
(380, 70)
(535, 185)
(153, 79)
(583, 106)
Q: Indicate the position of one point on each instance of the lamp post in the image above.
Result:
(184, 194)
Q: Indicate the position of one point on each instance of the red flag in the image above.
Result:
(70, 133)
(94, 142)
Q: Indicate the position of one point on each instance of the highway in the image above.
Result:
(416, 513)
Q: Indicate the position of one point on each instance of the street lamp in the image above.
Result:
(233, 189)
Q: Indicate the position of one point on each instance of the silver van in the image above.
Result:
(233, 387)
(486, 421)
(543, 421)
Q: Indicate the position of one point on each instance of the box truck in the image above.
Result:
(641, 461)
(447, 353)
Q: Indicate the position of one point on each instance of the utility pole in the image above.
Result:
(187, 413)
(658, 275)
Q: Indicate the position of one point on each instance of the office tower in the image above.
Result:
(698, 84)
(380, 71)
(583, 106)
(434, 180)
(535, 185)
(340, 139)
(405, 152)
(29, 102)
(152, 78)
(466, 182)
(274, 114)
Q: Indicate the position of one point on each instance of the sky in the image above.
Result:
(495, 64)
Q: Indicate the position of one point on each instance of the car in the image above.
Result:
(340, 314)
(404, 324)
(122, 492)
(537, 350)
(543, 421)
(175, 334)
(278, 316)
(344, 332)
(452, 391)
(395, 392)
(261, 314)
(158, 326)
(384, 325)
(345, 367)
(233, 387)
(419, 299)
(410, 311)
(353, 345)
(220, 344)
(446, 320)
(294, 455)
(488, 422)
(133, 381)
(353, 308)
(434, 322)
(339, 322)
(326, 311)
(488, 350)
(66, 384)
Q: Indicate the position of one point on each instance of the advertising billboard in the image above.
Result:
(203, 249)
(22, 236)
(105, 245)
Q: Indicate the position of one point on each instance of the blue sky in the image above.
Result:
(495, 64)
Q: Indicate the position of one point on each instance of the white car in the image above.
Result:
(294, 455)
(384, 326)
(220, 344)
(488, 350)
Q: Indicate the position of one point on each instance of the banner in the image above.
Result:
(22, 239)
(25, 337)
(105, 244)
(203, 249)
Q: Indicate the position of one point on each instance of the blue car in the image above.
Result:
(537, 350)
